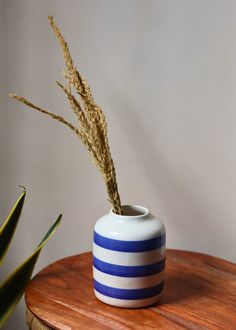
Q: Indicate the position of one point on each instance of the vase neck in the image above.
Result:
(132, 211)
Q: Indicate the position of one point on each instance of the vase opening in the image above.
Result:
(132, 211)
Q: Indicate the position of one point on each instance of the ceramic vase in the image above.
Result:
(129, 258)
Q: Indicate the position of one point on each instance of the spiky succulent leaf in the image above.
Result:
(13, 288)
(9, 226)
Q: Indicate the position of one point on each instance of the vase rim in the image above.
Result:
(132, 211)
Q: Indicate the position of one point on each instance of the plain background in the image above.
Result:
(164, 72)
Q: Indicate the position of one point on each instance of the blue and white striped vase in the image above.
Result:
(129, 258)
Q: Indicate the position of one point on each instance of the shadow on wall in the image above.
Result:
(14, 16)
(4, 114)
(179, 200)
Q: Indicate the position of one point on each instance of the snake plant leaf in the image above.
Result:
(9, 226)
(13, 288)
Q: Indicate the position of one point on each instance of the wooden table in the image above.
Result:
(200, 293)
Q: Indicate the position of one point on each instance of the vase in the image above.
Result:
(129, 258)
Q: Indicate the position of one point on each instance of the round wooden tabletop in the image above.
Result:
(200, 293)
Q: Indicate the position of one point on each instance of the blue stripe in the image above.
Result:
(128, 271)
(128, 294)
(129, 246)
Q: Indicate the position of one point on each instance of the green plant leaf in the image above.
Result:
(13, 288)
(9, 226)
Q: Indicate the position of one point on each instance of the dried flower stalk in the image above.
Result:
(92, 129)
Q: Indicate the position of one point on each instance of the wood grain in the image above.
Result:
(200, 293)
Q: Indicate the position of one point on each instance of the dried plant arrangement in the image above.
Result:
(92, 126)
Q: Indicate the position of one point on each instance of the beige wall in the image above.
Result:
(165, 74)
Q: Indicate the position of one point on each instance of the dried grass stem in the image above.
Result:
(92, 129)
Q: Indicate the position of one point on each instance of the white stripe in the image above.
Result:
(128, 258)
(128, 282)
(127, 303)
